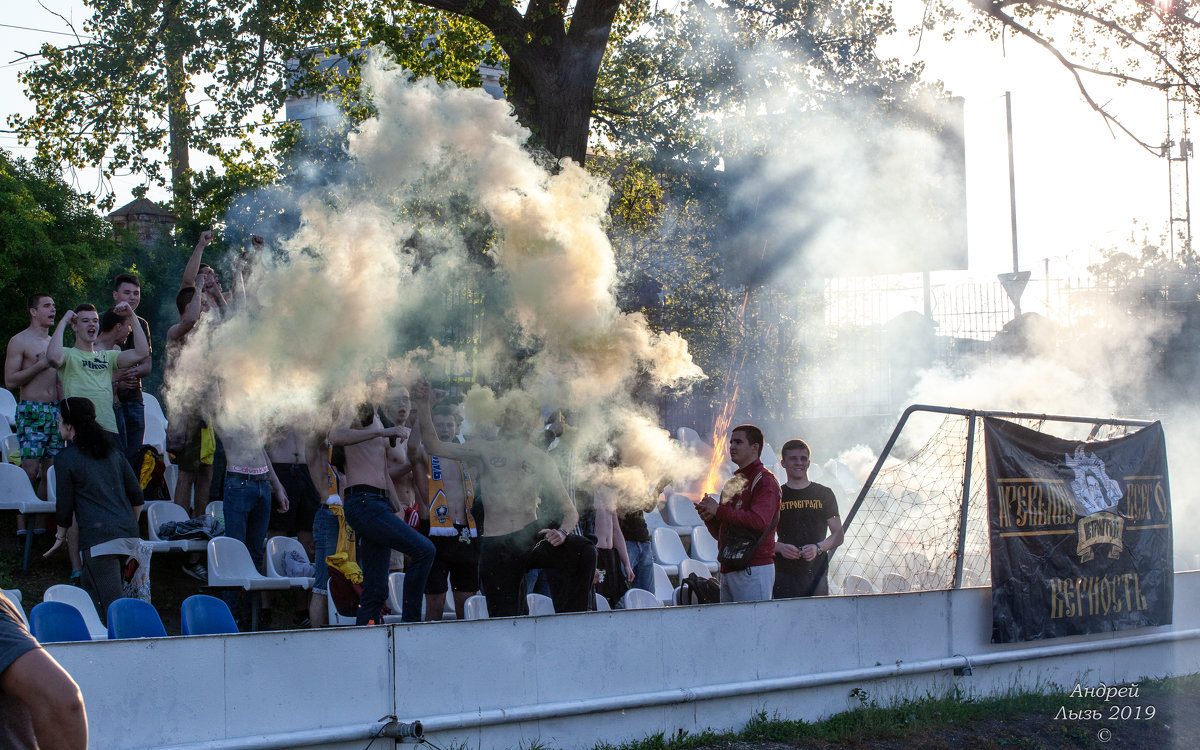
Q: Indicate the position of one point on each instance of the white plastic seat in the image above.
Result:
(16, 493)
(230, 566)
(893, 583)
(539, 604)
(654, 520)
(80, 600)
(662, 585)
(11, 445)
(668, 550)
(52, 493)
(704, 549)
(639, 599)
(277, 548)
(476, 608)
(681, 513)
(334, 618)
(14, 596)
(601, 604)
(853, 584)
(159, 512)
(154, 412)
(155, 435)
(689, 566)
(8, 408)
(216, 509)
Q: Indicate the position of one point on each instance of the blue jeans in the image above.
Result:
(641, 559)
(325, 539)
(379, 532)
(247, 510)
(131, 423)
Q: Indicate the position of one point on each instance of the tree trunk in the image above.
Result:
(178, 117)
(556, 107)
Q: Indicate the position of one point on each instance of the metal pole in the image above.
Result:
(966, 501)
(1012, 181)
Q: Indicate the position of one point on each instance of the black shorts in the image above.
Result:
(455, 559)
(303, 499)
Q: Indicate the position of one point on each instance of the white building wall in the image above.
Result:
(500, 683)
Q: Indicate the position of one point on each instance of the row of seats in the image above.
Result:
(54, 621)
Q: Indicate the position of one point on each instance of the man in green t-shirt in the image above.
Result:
(86, 368)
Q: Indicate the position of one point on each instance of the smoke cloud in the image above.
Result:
(440, 245)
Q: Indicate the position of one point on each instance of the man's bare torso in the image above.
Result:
(43, 387)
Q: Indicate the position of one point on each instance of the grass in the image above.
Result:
(871, 722)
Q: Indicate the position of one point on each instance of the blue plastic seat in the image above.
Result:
(134, 618)
(57, 622)
(206, 615)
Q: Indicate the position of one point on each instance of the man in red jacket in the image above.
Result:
(749, 499)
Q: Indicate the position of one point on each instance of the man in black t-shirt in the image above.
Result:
(807, 509)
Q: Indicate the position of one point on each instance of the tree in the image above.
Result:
(144, 76)
(1135, 42)
(51, 241)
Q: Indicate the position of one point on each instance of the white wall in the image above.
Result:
(465, 680)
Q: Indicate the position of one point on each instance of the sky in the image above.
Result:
(1079, 188)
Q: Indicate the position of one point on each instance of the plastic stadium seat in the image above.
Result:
(14, 596)
(639, 599)
(681, 513)
(8, 407)
(230, 566)
(159, 512)
(277, 548)
(201, 614)
(704, 548)
(853, 584)
(216, 509)
(689, 566)
(668, 550)
(57, 622)
(82, 601)
(894, 583)
(654, 520)
(601, 604)
(154, 412)
(539, 604)
(336, 620)
(476, 607)
(663, 589)
(16, 493)
(134, 618)
(156, 435)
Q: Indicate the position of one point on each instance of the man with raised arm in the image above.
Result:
(515, 473)
(131, 409)
(750, 500)
(87, 369)
(367, 502)
(34, 380)
(446, 503)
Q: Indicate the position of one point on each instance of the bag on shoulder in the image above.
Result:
(697, 590)
(739, 543)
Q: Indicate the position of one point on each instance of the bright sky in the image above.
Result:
(1079, 188)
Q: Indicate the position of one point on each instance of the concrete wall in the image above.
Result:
(574, 680)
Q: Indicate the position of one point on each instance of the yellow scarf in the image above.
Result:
(439, 507)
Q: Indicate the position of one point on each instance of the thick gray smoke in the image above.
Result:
(367, 292)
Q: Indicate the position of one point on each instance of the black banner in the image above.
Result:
(1080, 532)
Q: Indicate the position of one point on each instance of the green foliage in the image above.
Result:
(51, 241)
(105, 99)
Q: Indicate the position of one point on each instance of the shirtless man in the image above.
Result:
(289, 451)
(446, 501)
(367, 502)
(250, 483)
(131, 408)
(29, 373)
(514, 474)
(195, 298)
(612, 567)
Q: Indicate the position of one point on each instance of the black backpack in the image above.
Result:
(697, 590)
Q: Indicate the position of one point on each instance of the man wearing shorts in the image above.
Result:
(449, 517)
(515, 475)
(289, 458)
(34, 379)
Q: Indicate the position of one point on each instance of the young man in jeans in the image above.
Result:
(367, 503)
